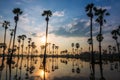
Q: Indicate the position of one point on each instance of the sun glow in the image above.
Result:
(43, 39)
(42, 73)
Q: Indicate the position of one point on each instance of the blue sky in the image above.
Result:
(68, 23)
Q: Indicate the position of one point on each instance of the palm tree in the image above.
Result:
(33, 47)
(115, 37)
(11, 34)
(109, 47)
(17, 12)
(49, 47)
(56, 47)
(19, 41)
(23, 38)
(5, 25)
(48, 14)
(72, 47)
(100, 13)
(77, 46)
(29, 42)
(89, 41)
(89, 9)
(53, 47)
(114, 49)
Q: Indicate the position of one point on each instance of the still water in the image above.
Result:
(56, 69)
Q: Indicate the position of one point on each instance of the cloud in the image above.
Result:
(37, 34)
(58, 13)
(105, 7)
(18, 3)
(0, 16)
(74, 29)
(80, 28)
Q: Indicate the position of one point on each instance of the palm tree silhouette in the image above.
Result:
(5, 25)
(77, 46)
(48, 14)
(100, 13)
(11, 34)
(109, 47)
(72, 48)
(17, 12)
(115, 34)
(89, 10)
(19, 41)
(23, 38)
(53, 47)
(89, 41)
(29, 42)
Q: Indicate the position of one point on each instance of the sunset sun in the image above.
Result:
(43, 39)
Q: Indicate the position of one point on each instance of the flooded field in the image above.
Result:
(56, 69)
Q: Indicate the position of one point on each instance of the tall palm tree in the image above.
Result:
(23, 38)
(5, 25)
(48, 14)
(77, 46)
(89, 9)
(115, 34)
(17, 12)
(100, 13)
(19, 41)
(11, 35)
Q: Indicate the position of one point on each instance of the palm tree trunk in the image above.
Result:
(4, 44)
(22, 47)
(118, 46)
(18, 49)
(10, 43)
(44, 60)
(100, 57)
(13, 41)
(93, 60)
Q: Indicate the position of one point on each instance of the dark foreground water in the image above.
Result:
(57, 69)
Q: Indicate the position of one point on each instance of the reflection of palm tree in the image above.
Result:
(18, 12)
(16, 68)
(115, 37)
(5, 25)
(89, 10)
(101, 72)
(73, 70)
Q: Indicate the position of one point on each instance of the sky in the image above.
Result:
(68, 23)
